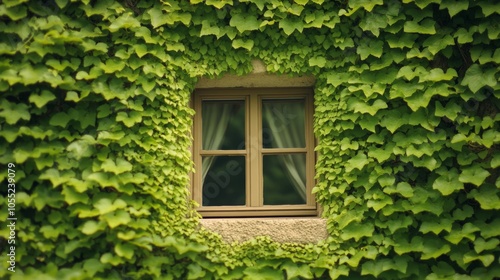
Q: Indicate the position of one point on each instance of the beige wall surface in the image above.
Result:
(284, 230)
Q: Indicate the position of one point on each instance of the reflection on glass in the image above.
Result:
(223, 180)
(284, 179)
(283, 124)
(223, 124)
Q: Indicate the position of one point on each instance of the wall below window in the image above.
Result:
(299, 230)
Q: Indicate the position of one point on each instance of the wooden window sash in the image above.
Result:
(254, 152)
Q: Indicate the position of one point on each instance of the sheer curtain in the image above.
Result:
(215, 117)
(287, 134)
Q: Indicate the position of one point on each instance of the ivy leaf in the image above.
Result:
(157, 17)
(485, 259)
(42, 99)
(375, 48)
(451, 110)
(475, 78)
(481, 245)
(111, 259)
(208, 29)
(369, 122)
(60, 119)
(495, 161)
(61, 3)
(317, 61)
(119, 217)
(91, 227)
(376, 267)
(79, 185)
(104, 205)
(240, 43)
(379, 204)
(404, 189)
(81, 148)
(50, 232)
(454, 7)
(300, 271)
(467, 231)
(359, 161)
(92, 266)
(219, 4)
(436, 226)
(448, 183)
(121, 166)
(244, 23)
(104, 180)
(72, 96)
(373, 22)
(71, 196)
(489, 7)
(380, 155)
(437, 74)
(438, 43)
(124, 250)
(357, 231)
(126, 21)
(253, 272)
(400, 223)
(434, 248)
(289, 25)
(195, 271)
(301, 2)
(365, 108)
(393, 120)
(113, 65)
(427, 26)
(103, 111)
(13, 112)
(487, 196)
(474, 174)
(368, 5)
(54, 176)
(129, 119)
(14, 13)
(336, 272)
(185, 18)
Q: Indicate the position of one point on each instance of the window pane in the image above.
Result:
(284, 179)
(223, 180)
(223, 125)
(283, 124)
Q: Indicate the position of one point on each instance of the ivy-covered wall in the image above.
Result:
(95, 134)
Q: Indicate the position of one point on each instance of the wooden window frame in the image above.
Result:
(254, 152)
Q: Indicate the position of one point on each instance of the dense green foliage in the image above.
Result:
(94, 113)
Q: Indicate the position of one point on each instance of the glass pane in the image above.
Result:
(223, 180)
(284, 179)
(223, 124)
(283, 124)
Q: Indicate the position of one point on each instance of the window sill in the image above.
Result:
(283, 230)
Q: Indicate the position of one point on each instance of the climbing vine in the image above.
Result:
(95, 117)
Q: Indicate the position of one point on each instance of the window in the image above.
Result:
(254, 152)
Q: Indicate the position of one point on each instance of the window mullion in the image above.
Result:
(254, 153)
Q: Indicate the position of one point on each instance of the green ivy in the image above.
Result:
(95, 116)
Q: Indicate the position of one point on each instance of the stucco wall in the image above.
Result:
(298, 230)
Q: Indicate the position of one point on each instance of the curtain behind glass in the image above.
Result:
(287, 130)
(215, 119)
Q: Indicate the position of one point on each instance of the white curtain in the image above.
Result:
(215, 117)
(286, 134)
